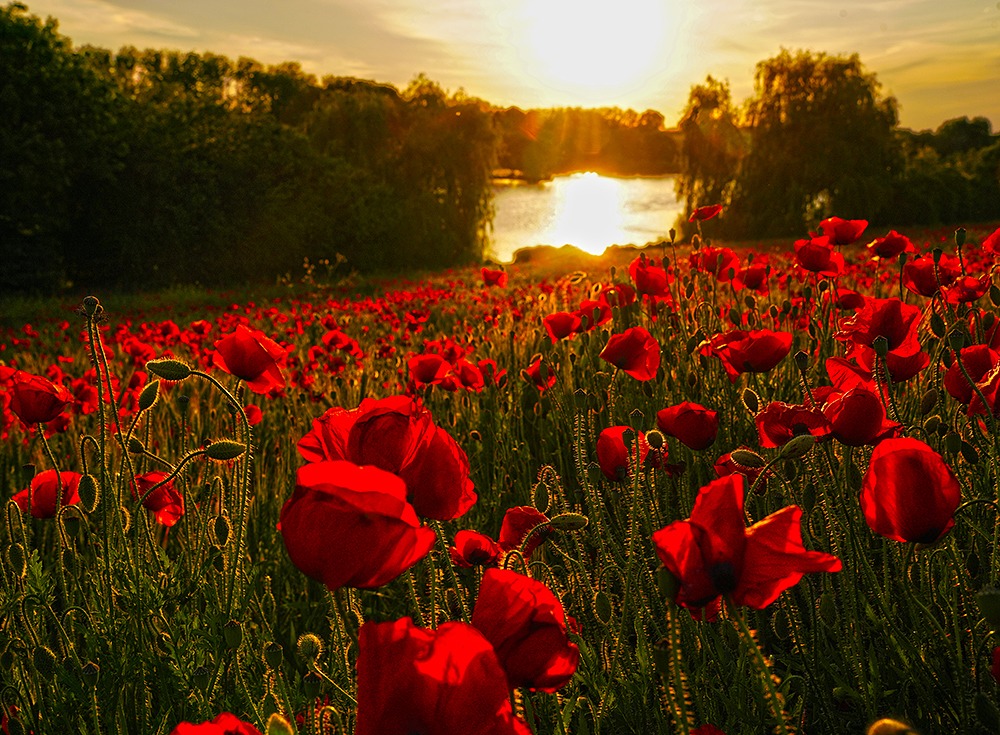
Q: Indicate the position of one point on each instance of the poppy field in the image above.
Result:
(700, 490)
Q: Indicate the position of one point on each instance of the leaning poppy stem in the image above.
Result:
(765, 675)
(339, 599)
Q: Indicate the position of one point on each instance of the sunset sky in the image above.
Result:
(939, 59)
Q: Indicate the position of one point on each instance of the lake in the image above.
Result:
(586, 210)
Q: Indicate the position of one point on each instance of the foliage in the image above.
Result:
(817, 137)
(542, 143)
(195, 168)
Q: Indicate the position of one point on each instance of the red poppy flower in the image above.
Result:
(254, 414)
(991, 243)
(44, 488)
(909, 494)
(843, 231)
(897, 323)
(252, 357)
(430, 369)
(413, 680)
(705, 213)
(857, 417)
(524, 528)
(36, 400)
(713, 554)
(560, 325)
(474, 549)
(707, 730)
(166, 503)
(967, 289)
(720, 262)
(818, 256)
(920, 277)
(224, 724)
(635, 352)
(540, 374)
(526, 624)
(778, 423)
(494, 277)
(351, 526)
(756, 351)
(619, 294)
(397, 435)
(649, 278)
(890, 246)
(978, 360)
(694, 425)
(592, 314)
(754, 277)
(613, 455)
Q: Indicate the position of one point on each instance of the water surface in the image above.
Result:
(586, 210)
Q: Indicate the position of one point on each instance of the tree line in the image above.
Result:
(147, 168)
(819, 138)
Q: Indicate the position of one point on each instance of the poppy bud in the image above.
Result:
(655, 439)
(932, 423)
(273, 655)
(17, 560)
(569, 522)
(667, 583)
(751, 401)
(221, 528)
(747, 458)
(278, 725)
(168, 369)
(798, 446)
(91, 306)
(45, 661)
(937, 325)
(989, 605)
(957, 339)
(994, 295)
(90, 673)
(310, 647)
(960, 236)
(928, 401)
(801, 359)
(134, 447)
(881, 346)
(602, 607)
(936, 254)
(147, 399)
(232, 633)
(224, 449)
(202, 676)
(888, 726)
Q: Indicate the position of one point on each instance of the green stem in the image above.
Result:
(763, 670)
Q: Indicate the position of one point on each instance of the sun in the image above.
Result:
(592, 51)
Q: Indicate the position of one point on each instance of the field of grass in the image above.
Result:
(534, 542)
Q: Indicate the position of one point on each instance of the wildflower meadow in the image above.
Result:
(689, 488)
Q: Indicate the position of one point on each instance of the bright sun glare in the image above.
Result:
(595, 50)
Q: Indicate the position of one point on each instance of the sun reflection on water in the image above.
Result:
(589, 213)
(586, 210)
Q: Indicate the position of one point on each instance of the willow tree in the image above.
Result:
(822, 143)
(712, 146)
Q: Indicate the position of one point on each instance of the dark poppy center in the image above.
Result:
(799, 429)
(723, 576)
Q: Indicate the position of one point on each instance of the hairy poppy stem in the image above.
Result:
(766, 676)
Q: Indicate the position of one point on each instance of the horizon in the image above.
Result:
(938, 62)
